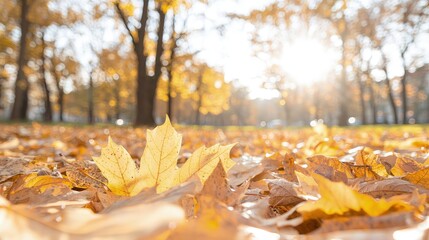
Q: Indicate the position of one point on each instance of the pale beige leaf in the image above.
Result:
(161, 153)
(120, 170)
(202, 163)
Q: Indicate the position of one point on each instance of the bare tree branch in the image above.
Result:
(126, 24)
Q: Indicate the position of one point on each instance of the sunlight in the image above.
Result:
(307, 61)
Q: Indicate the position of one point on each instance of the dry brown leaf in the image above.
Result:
(29, 186)
(283, 193)
(420, 177)
(289, 167)
(85, 176)
(404, 166)
(365, 172)
(388, 188)
(316, 161)
(372, 160)
(217, 187)
(397, 219)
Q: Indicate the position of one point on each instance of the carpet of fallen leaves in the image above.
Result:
(318, 183)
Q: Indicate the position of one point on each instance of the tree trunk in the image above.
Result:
(91, 119)
(60, 91)
(391, 97)
(2, 81)
(47, 115)
(404, 92)
(146, 85)
(372, 100)
(200, 97)
(170, 70)
(118, 98)
(20, 104)
(61, 104)
(343, 96)
(362, 99)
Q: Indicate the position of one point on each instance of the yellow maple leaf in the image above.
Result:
(202, 163)
(158, 164)
(159, 158)
(339, 199)
(117, 166)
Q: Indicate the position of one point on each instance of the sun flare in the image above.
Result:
(307, 61)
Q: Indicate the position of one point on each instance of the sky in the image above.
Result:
(231, 50)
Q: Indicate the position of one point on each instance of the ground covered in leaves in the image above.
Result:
(319, 183)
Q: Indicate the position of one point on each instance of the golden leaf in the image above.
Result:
(45, 182)
(120, 170)
(339, 199)
(158, 166)
(160, 155)
(202, 163)
(372, 160)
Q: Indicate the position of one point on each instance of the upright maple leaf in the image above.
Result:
(160, 155)
(158, 163)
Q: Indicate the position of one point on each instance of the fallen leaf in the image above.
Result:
(318, 160)
(11, 144)
(372, 160)
(339, 199)
(81, 223)
(388, 188)
(217, 187)
(396, 219)
(159, 163)
(420, 177)
(160, 155)
(365, 172)
(120, 170)
(201, 163)
(213, 221)
(404, 166)
(283, 193)
(289, 167)
(307, 184)
(85, 176)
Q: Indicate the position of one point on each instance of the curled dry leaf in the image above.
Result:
(387, 188)
(397, 219)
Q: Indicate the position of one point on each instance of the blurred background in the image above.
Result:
(215, 62)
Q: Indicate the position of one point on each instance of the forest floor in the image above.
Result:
(368, 182)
